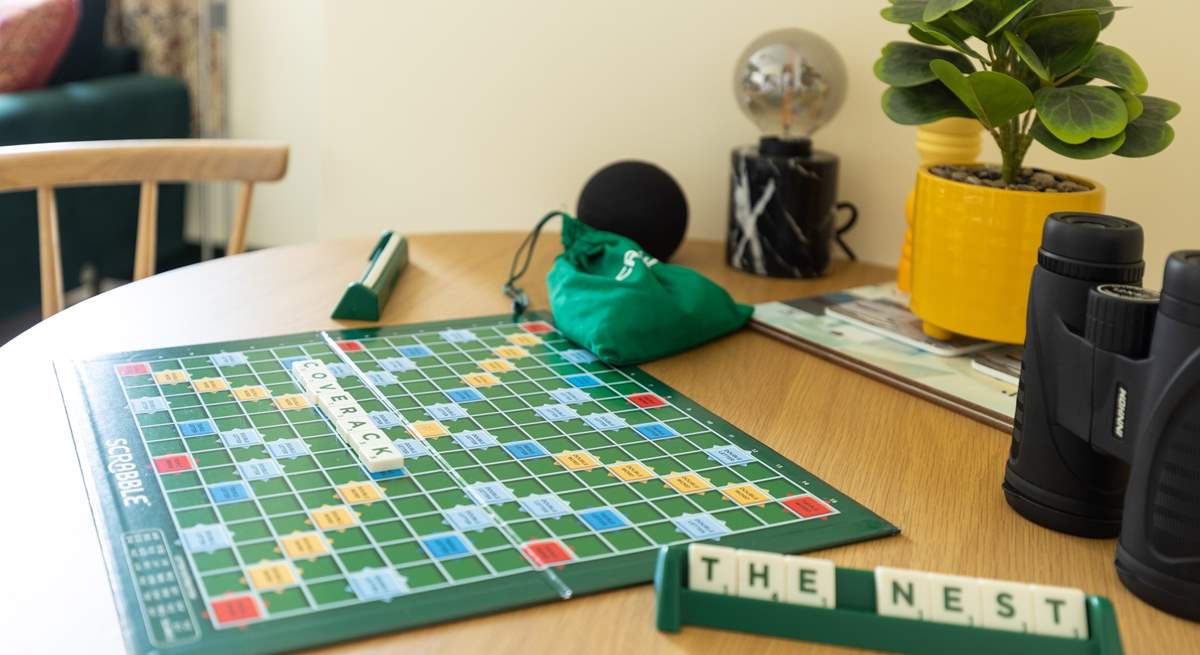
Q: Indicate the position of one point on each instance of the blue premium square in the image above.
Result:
(654, 431)
(463, 395)
(445, 546)
(603, 518)
(583, 380)
(196, 428)
(228, 492)
(525, 449)
(415, 351)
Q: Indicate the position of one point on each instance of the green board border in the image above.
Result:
(96, 410)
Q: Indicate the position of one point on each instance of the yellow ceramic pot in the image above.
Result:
(974, 249)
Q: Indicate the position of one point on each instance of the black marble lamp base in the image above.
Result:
(781, 209)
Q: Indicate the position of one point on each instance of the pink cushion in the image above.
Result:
(34, 34)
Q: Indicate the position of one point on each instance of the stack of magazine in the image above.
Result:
(871, 330)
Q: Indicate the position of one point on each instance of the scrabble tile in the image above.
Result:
(380, 457)
(346, 426)
(318, 379)
(953, 599)
(1059, 612)
(901, 593)
(1005, 605)
(712, 569)
(301, 366)
(326, 399)
(810, 581)
(761, 575)
(350, 409)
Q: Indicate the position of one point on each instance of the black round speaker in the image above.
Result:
(638, 200)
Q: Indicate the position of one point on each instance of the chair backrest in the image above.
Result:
(42, 167)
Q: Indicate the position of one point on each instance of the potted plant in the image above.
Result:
(1027, 70)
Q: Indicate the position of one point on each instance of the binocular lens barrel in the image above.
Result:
(1181, 287)
(1094, 247)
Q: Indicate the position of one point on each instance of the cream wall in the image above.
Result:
(277, 51)
(428, 116)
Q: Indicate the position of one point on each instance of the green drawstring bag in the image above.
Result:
(623, 305)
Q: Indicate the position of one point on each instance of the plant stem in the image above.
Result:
(1009, 138)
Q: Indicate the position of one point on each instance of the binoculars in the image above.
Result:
(1106, 440)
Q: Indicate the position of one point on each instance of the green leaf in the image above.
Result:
(950, 39)
(1103, 8)
(1008, 18)
(1112, 64)
(1075, 114)
(994, 98)
(916, 33)
(1027, 55)
(1144, 138)
(935, 9)
(905, 12)
(1090, 149)
(1133, 104)
(907, 64)
(962, 25)
(923, 104)
(1158, 109)
(1063, 42)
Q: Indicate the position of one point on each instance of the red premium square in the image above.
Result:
(172, 463)
(537, 327)
(235, 609)
(547, 552)
(139, 368)
(350, 346)
(646, 400)
(807, 506)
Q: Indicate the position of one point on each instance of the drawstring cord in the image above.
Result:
(520, 299)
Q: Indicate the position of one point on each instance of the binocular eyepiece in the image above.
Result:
(1106, 439)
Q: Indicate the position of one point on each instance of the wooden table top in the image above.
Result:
(932, 472)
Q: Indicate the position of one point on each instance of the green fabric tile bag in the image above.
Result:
(626, 307)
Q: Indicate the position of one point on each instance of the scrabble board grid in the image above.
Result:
(186, 402)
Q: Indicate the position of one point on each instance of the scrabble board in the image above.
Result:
(234, 518)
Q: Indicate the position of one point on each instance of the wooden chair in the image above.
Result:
(42, 167)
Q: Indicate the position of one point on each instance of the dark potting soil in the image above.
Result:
(1030, 179)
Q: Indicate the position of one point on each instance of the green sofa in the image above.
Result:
(96, 93)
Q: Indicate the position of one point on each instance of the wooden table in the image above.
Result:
(932, 472)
